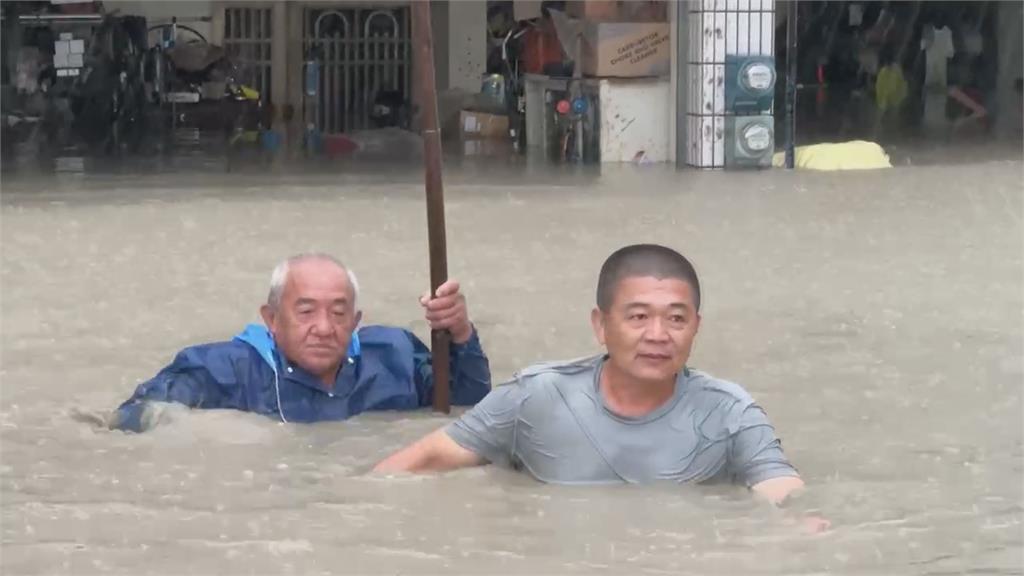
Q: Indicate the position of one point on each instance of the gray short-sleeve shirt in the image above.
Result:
(552, 421)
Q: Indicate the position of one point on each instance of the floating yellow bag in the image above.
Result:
(853, 155)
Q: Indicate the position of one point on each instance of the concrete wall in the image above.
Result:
(460, 43)
(467, 44)
(460, 52)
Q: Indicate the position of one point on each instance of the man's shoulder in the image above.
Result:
(704, 384)
(380, 334)
(387, 342)
(235, 349)
(718, 405)
(226, 361)
(381, 330)
(546, 381)
(547, 373)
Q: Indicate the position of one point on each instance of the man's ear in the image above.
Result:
(597, 323)
(267, 313)
(358, 318)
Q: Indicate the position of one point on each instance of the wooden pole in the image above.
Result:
(423, 48)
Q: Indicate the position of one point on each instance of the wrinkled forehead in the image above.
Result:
(639, 289)
(318, 280)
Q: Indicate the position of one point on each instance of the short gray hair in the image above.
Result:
(652, 260)
(279, 277)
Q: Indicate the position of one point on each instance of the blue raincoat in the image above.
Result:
(387, 369)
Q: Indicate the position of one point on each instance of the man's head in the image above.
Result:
(311, 312)
(647, 314)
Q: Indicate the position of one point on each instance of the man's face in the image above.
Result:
(314, 322)
(649, 327)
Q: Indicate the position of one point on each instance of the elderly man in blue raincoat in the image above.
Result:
(310, 362)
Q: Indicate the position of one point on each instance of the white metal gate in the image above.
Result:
(718, 29)
(361, 52)
(248, 34)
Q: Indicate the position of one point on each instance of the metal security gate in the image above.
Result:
(248, 34)
(719, 30)
(362, 54)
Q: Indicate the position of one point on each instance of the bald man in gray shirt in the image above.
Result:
(634, 414)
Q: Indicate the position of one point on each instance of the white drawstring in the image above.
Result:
(277, 388)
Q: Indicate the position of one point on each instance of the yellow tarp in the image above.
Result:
(854, 155)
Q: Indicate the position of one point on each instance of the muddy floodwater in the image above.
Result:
(876, 316)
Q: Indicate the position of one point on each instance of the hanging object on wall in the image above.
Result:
(749, 141)
(749, 84)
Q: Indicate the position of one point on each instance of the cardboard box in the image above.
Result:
(489, 148)
(618, 10)
(644, 11)
(626, 49)
(482, 126)
(594, 10)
